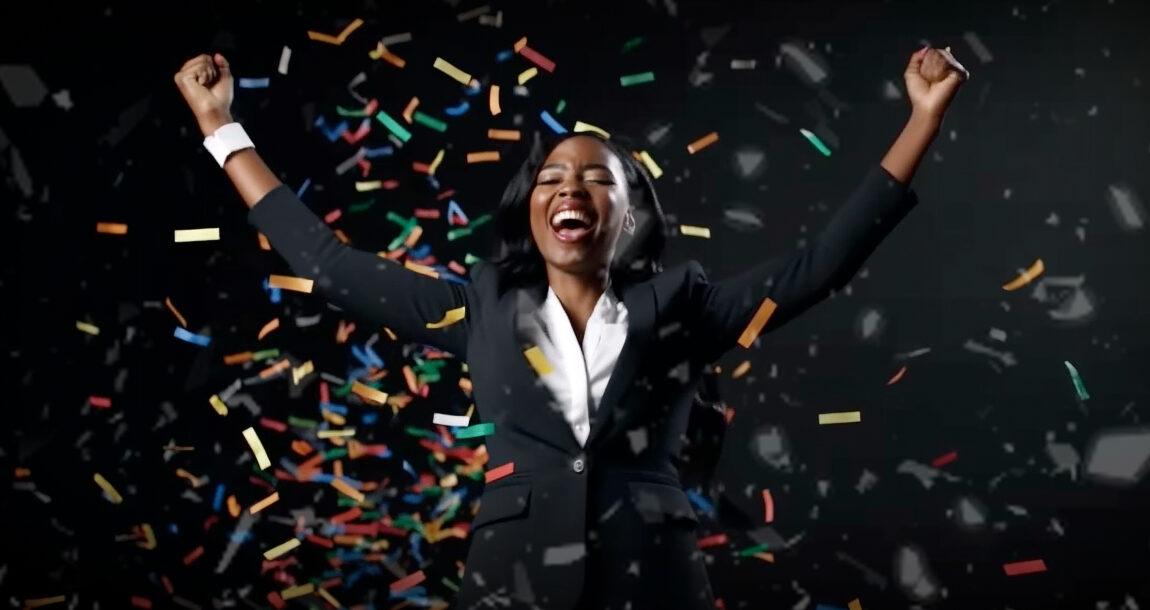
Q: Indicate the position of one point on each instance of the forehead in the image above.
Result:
(583, 150)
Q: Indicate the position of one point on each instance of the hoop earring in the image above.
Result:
(629, 223)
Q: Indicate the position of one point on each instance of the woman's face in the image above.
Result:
(577, 206)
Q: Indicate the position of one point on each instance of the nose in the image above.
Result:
(573, 187)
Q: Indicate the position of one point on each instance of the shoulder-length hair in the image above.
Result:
(638, 256)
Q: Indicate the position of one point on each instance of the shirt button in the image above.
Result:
(577, 465)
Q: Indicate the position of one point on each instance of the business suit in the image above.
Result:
(609, 517)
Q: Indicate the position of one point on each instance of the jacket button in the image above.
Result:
(577, 465)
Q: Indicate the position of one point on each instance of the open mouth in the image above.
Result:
(572, 225)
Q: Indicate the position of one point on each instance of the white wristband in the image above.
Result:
(227, 140)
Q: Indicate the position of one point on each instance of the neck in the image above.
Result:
(578, 295)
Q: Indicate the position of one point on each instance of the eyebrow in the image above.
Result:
(564, 165)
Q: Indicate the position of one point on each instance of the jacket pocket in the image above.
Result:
(502, 503)
(659, 503)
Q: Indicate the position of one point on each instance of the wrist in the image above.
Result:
(209, 125)
(925, 121)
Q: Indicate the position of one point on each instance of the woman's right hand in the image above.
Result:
(207, 86)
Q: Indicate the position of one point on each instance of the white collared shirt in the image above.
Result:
(579, 373)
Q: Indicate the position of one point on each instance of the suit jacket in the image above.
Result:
(608, 523)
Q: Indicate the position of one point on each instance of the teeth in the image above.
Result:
(581, 216)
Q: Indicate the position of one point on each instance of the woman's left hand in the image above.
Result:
(930, 90)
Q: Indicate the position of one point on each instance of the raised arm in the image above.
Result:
(365, 284)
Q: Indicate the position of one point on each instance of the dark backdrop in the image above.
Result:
(1035, 157)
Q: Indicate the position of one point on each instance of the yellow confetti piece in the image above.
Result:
(493, 101)
(297, 591)
(279, 550)
(88, 328)
(846, 417)
(269, 327)
(172, 308)
(113, 495)
(434, 165)
(189, 235)
(528, 74)
(482, 156)
(347, 490)
(44, 601)
(450, 317)
(328, 597)
(305, 369)
(266, 502)
(112, 228)
(257, 448)
(421, 269)
(336, 40)
(703, 142)
(766, 308)
(218, 405)
(854, 604)
(695, 231)
(451, 480)
(288, 282)
(538, 362)
(336, 433)
(1027, 276)
(741, 369)
(652, 167)
(149, 542)
(369, 185)
(444, 66)
(369, 393)
(580, 126)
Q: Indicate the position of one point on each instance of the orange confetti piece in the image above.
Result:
(519, 44)
(194, 555)
(483, 156)
(503, 134)
(1026, 277)
(233, 506)
(382, 52)
(703, 142)
(347, 490)
(767, 557)
(493, 100)
(288, 282)
(410, 109)
(275, 369)
(263, 240)
(854, 604)
(338, 39)
(369, 393)
(769, 505)
(239, 358)
(897, 376)
(112, 228)
(766, 308)
(413, 237)
(499, 472)
(266, 502)
(172, 308)
(44, 601)
(741, 369)
(269, 327)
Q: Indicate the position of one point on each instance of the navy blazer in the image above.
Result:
(608, 523)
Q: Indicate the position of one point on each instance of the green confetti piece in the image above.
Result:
(631, 44)
(429, 121)
(635, 79)
(455, 234)
(359, 207)
(484, 429)
(342, 391)
(370, 514)
(263, 475)
(759, 548)
(450, 585)
(300, 422)
(334, 453)
(412, 430)
(470, 259)
(560, 106)
(393, 126)
(405, 223)
(399, 239)
(347, 501)
(1078, 386)
(816, 141)
(341, 111)
(406, 521)
(479, 221)
(265, 354)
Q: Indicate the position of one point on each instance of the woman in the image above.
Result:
(583, 351)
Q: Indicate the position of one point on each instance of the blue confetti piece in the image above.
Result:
(703, 504)
(190, 337)
(218, 501)
(410, 470)
(287, 465)
(370, 418)
(503, 55)
(473, 88)
(551, 122)
(173, 528)
(323, 477)
(240, 537)
(454, 211)
(458, 110)
(334, 133)
(382, 151)
(444, 274)
(334, 408)
(303, 188)
(276, 293)
(412, 498)
(433, 183)
(375, 359)
(360, 355)
(415, 552)
(255, 83)
(419, 253)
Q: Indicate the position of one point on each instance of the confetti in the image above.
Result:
(1019, 568)
(408, 582)
(854, 604)
(652, 167)
(255, 83)
(703, 142)
(580, 126)
(455, 421)
(483, 156)
(536, 58)
(846, 417)
(552, 123)
(527, 75)
(695, 231)
(741, 369)
(281, 549)
(499, 472)
(769, 506)
(112, 228)
(713, 540)
(943, 460)
(503, 134)
(485, 429)
(636, 79)
(184, 334)
(429, 121)
(444, 66)
(897, 376)
(1079, 388)
(538, 362)
(218, 405)
(285, 57)
(369, 393)
(816, 142)
(257, 448)
(266, 502)
(766, 308)
(44, 601)
(88, 328)
(113, 495)
(1026, 277)
(297, 591)
(493, 100)
(269, 327)
(410, 108)
(339, 39)
(450, 317)
(288, 282)
(172, 308)
(347, 490)
(100, 401)
(743, 64)
(400, 132)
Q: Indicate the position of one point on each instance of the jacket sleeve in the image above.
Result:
(796, 281)
(366, 285)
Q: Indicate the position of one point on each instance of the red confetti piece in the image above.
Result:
(333, 216)
(498, 473)
(272, 424)
(897, 376)
(1019, 568)
(276, 601)
(457, 268)
(715, 540)
(364, 166)
(390, 184)
(316, 540)
(943, 460)
(421, 167)
(427, 213)
(350, 515)
(324, 397)
(100, 401)
(445, 194)
(538, 59)
(194, 555)
(769, 504)
(408, 582)
(167, 584)
(141, 602)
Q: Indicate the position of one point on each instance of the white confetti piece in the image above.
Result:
(285, 57)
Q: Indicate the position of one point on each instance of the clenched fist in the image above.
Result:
(933, 77)
(207, 86)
